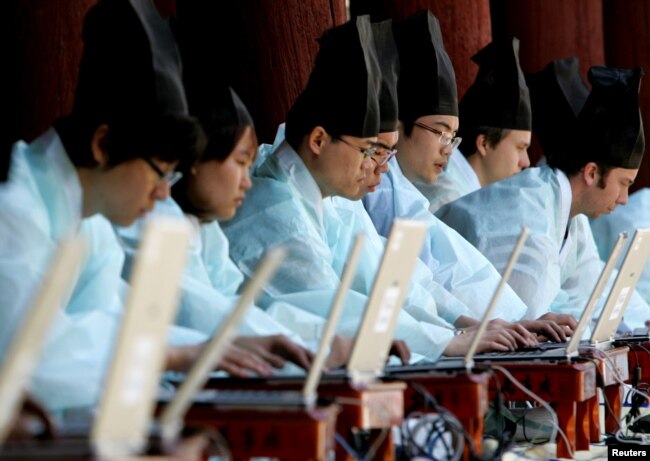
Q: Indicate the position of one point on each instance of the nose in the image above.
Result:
(447, 151)
(162, 190)
(622, 198)
(367, 164)
(524, 161)
(246, 182)
(382, 169)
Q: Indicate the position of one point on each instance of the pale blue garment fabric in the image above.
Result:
(456, 180)
(285, 207)
(211, 280)
(634, 215)
(551, 273)
(351, 216)
(456, 264)
(41, 204)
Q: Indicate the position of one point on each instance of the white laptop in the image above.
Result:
(604, 332)
(122, 424)
(375, 334)
(567, 351)
(171, 418)
(307, 396)
(467, 362)
(28, 340)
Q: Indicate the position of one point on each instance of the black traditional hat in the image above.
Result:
(427, 83)
(499, 96)
(223, 116)
(557, 94)
(343, 88)
(130, 69)
(389, 65)
(609, 127)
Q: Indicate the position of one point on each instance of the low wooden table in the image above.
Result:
(463, 394)
(617, 358)
(377, 407)
(569, 387)
(287, 434)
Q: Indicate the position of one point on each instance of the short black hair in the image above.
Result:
(493, 136)
(169, 138)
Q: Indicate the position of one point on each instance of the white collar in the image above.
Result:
(290, 161)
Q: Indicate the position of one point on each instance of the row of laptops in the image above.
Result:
(138, 359)
(132, 380)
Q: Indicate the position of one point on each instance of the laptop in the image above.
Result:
(570, 350)
(374, 336)
(121, 426)
(467, 363)
(28, 340)
(190, 390)
(123, 421)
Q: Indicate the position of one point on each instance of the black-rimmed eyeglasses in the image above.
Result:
(171, 177)
(365, 151)
(445, 138)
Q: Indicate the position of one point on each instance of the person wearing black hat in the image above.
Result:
(290, 201)
(110, 159)
(587, 177)
(460, 270)
(495, 127)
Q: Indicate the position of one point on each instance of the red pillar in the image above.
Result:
(627, 44)
(44, 49)
(465, 26)
(549, 30)
(264, 48)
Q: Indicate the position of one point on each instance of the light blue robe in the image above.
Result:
(456, 264)
(41, 204)
(635, 214)
(551, 273)
(211, 280)
(456, 180)
(285, 207)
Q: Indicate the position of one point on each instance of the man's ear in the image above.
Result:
(98, 145)
(590, 173)
(317, 139)
(481, 145)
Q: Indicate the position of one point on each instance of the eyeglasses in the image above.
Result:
(366, 151)
(171, 177)
(445, 138)
(385, 158)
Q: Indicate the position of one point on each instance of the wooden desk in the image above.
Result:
(465, 395)
(569, 388)
(617, 358)
(375, 407)
(272, 432)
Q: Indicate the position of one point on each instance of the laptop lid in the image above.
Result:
(469, 357)
(122, 424)
(172, 416)
(619, 296)
(316, 370)
(25, 348)
(375, 334)
(588, 312)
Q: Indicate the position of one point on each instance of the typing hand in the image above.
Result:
(276, 349)
(492, 340)
(547, 329)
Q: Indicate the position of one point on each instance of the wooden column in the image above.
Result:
(465, 27)
(44, 49)
(549, 30)
(627, 44)
(265, 49)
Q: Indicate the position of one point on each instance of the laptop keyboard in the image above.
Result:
(254, 398)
